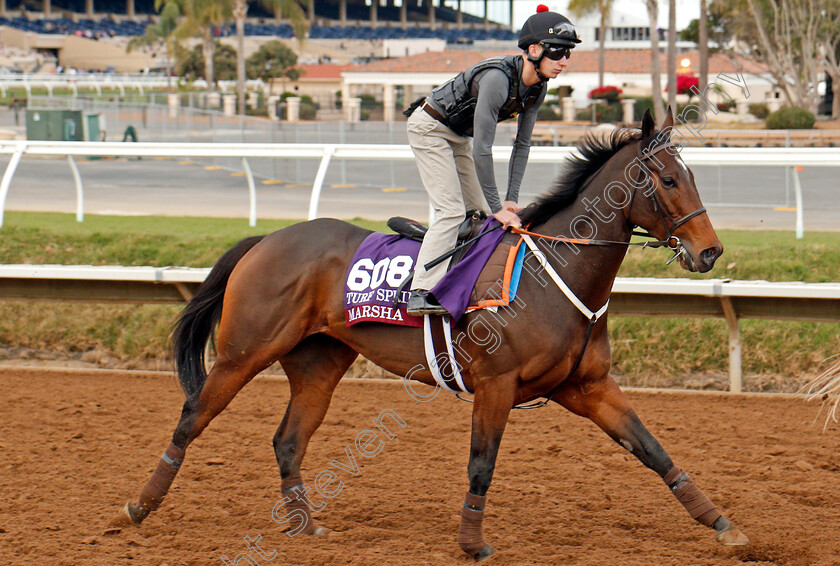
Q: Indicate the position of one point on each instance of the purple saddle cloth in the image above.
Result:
(383, 261)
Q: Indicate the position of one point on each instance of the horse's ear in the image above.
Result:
(647, 124)
(669, 119)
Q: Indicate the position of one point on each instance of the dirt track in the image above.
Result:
(76, 446)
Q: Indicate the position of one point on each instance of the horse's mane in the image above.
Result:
(595, 151)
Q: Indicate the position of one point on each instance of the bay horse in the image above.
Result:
(280, 298)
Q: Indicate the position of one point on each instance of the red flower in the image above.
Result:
(605, 93)
(685, 82)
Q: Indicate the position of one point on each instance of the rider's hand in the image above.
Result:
(508, 219)
(512, 206)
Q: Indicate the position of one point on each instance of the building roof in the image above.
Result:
(322, 72)
(429, 62)
(623, 61)
(720, 63)
(637, 61)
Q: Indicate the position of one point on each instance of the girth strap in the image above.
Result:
(440, 356)
(589, 314)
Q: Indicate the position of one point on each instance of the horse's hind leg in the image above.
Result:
(604, 404)
(223, 383)
(240, 358)
(314, 368)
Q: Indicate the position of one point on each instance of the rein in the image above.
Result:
(590, 242)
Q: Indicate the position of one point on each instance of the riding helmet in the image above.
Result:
(548, 27)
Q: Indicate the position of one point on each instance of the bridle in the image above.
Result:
(669, 223)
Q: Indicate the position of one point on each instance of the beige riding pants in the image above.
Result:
(448, 173)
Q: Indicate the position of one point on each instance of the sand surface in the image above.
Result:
(77, 445)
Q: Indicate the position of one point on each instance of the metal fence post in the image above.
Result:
(80, 192)
(797, 192)
(252, 192)
(319, 181)
(7, 178)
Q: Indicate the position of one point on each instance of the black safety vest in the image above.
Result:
(457, 103)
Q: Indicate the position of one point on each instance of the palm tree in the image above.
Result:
(293, 9)
(201, 17)
(655, 66)
(703, 47)
(161, 33)
(672, 54)
(582, 8)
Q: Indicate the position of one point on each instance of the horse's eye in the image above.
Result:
(669, 182)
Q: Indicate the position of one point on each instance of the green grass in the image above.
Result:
(646, 351)
(751, 254)
(127, 240)
(29, 237)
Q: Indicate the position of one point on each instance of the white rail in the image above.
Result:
(764, 157)
(99, 81)
(722, 298)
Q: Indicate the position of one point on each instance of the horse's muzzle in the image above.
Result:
(703, 262)
(707, 258)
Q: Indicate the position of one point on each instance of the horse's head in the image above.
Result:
(666, 202)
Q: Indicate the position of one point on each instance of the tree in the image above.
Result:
(710, 27)
(201, 18)
(273, 60)
(703, 47)
(672, 54)
(716, 29)
(783, 35)
(787, 36)
(655, 66)
(829, 48)
(161, 32)
(582, 8)
(191, 63)
(293, 9)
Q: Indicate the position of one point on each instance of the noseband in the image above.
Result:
(669, 223)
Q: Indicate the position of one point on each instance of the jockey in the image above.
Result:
(452, 130)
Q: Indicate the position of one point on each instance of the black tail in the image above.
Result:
(199, 318)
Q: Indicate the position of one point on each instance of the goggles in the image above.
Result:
(564, 31)
(555, 52)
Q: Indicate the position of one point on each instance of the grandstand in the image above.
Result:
(329, 19)
(93, 34)
(104, 27)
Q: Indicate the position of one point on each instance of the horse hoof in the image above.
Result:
(732, 537)
(484, 553)
(124, 518)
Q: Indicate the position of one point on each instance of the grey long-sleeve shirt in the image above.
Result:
(491, 89)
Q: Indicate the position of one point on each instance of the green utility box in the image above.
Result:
(61, 125)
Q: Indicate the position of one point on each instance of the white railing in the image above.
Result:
(722, 298)
(98, 81)
(760, 157)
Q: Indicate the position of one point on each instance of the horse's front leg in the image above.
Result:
(602, 401)
(493, 401)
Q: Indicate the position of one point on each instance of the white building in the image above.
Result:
(626, 30)
(628, 69)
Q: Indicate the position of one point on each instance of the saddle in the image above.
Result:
(414, 230)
